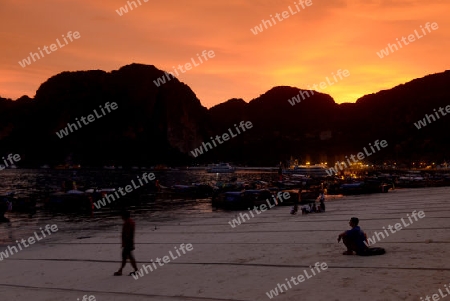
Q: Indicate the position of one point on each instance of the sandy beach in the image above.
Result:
(245, 262)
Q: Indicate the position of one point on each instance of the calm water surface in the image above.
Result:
(40, 183)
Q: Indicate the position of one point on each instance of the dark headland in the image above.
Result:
(161, 125)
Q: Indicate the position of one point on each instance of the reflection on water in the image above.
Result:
(42, 182)
(39, 184)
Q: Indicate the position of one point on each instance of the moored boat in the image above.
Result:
(411, 181)
(72, 200)
(195, 190)
(365, 187)
(220, 168)
(231, 200)
(313, 171)
(19, 203)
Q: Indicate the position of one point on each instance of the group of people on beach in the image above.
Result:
(355, 240)
(311, 207)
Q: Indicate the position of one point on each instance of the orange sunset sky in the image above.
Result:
(299, 51)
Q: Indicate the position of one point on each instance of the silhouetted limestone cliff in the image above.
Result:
(162, 124)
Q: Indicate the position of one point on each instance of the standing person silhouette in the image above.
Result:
(127, 243)
(322, 200)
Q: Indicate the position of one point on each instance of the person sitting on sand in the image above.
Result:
(354, 239)
(294, 209)
(305, 210)
(127, 243)
(322, 201)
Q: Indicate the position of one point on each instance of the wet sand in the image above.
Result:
(245, 262)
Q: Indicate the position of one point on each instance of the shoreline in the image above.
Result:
(243, 264)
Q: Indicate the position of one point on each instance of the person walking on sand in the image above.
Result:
(127, 243)
(296, 202)
(322, 200)
(354, 239)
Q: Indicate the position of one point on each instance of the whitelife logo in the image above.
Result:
(86, 298)
(16, 158)
(199, 151)
(285, 14)
(30, 241)
(124, 9)
(436, 297)
(273, 293)
(165, 260)
(411, 38)
(73, 127)
(281, 197)
(162, 80)
(296, 99)
(423, 123)
(110, 197)
(372, 240)
(360, 156)
(34, 55)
